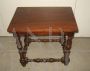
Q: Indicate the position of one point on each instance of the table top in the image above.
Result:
(40, 20)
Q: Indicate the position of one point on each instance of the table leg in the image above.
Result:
(22, 49)
(66, 49)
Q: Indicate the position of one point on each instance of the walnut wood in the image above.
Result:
(42, 21)
(66, 48)
(22, 49)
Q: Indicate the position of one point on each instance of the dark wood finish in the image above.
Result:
(40, 21)
(44, 60)
(66, 48)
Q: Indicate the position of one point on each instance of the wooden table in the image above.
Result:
(43, 21)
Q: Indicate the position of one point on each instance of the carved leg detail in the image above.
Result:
(66, 49)
(22, 50)
(24, 60)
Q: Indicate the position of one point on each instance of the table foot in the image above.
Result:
(65, 62)
(23, 62)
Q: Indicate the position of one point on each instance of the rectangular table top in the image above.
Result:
(43, 19)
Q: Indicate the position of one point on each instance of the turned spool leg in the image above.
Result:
(22, 49)
(66, 49)
(24, 59)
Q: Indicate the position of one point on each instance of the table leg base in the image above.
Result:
(65, 62)
(66, 45)
(23, 62)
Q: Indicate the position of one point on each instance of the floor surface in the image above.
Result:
(80, 56)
